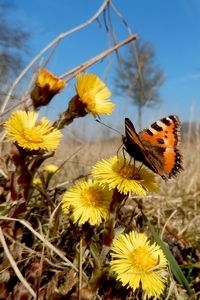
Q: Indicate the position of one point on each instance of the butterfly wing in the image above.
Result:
(134, 146)
(161, 141)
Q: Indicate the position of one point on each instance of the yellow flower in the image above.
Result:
(88, 201)
(47, 85)
(50, 168)
(37, 181)
(22, 128)
(138, 263)
(94, 94)
(49, 80)
(116, 172)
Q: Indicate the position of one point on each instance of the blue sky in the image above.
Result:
(173, 28)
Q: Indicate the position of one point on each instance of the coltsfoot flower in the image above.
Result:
(22, 128)
(139, 263)
(88, 202)
(116, 172)
(37, 182)
(94, 94)
(47, 85)
(50, 168)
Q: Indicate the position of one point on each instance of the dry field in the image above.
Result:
(174, 210)
(51, 253)
(176, 205)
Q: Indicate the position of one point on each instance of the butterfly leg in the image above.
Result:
(140, 167)
(124, 156)
(121, 146)
(123, 151)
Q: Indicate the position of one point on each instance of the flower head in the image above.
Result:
(37, 182)
(23, 129)
(50, 168)
(88, 201)
(138, 263)
(116, 172)
(47, 85)
(94, 94)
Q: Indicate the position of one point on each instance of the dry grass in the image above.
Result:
(41, 246)
(174, 210)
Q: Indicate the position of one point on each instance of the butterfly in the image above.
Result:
(157, 146)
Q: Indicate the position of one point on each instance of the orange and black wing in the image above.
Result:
(134, 146)
(161, 140)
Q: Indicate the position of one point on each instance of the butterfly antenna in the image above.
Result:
(109, 126)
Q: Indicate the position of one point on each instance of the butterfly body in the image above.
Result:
(157, 146)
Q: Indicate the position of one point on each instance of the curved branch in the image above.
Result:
(69, 75)
(14, 265)
(51, 44)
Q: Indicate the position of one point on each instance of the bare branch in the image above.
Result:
(50, 45)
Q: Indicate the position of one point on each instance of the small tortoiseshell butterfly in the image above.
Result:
(157, 146)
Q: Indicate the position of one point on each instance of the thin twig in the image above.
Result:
(14, 265)
(39, 236)
(167, 222)
(80, 267)
(51, 44)
(69, 75)
(33, 253)
(133, 45)
(73, 72)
